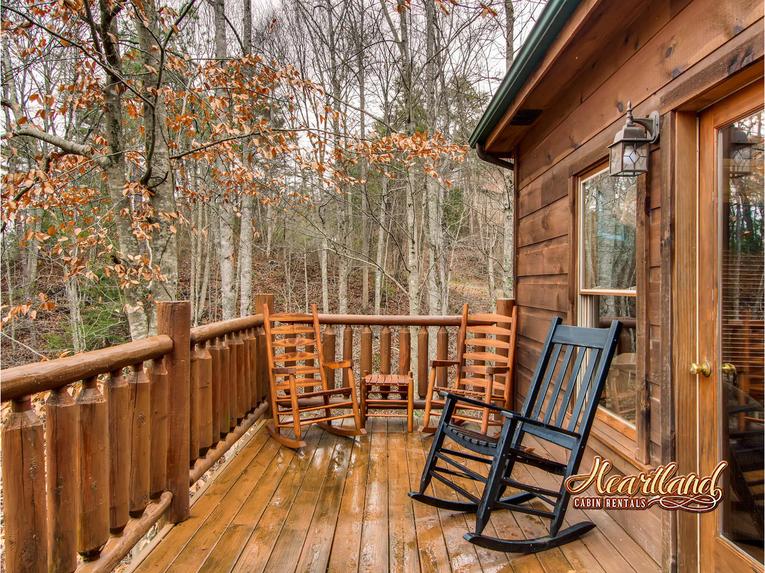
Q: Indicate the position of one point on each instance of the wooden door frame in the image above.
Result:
(687, 180)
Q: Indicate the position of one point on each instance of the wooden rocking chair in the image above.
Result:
(559, 408)
(484, 365)
(300, 392)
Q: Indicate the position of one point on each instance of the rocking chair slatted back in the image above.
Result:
(569, 374)
(484, 367)
(293, 343)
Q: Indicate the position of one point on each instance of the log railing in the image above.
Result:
(123, 433)
(127, 429)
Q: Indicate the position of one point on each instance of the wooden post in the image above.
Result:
(24, 490)
(442, 353)
(217, 385)
(174, 320)
(241, 372)
(205, 433)
(61, 479)
(140, 447)
(422, 361)
(254, 368)
(225, 386)
(385, 350)
(93, 531)
(328, 346)
(348, 351)
(194, 405)
(159, 398)
(118, 399)
(404, 350)
(237, 372)
(366, 351)
(505, 307)
(233, 383)
(263, 384)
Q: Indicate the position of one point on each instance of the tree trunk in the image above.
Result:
(245, 225)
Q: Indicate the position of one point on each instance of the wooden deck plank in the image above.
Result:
(178, 537)
(318, 543)
(402, 546)
(286, 551)
(258, 550)
(206, 537)
(295, 532)
(234, 539)
(346, 543)
(374, 533)
(431, 545)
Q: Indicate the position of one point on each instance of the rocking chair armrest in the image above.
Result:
(338, 365)
(286, 370)
(443, 363)
(515, 416)
(491, 370)
(473, 401)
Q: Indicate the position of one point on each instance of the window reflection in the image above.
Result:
(741, 328)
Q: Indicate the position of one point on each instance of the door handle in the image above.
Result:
(728, 368)
(703, 368)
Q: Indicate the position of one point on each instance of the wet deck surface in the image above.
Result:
(341, 505)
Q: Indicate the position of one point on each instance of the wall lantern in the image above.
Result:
(745, 153)
(630, 149)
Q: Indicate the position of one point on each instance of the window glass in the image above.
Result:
(608, 232)
(607, 236)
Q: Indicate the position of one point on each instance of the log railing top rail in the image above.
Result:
(394, 320)
(37, 377)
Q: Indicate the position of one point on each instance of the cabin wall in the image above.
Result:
(660, 59)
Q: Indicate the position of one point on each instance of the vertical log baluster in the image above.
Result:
(225, 386)
(118, 400)
(385, 350)
(246, 371)
(24, 490)
(366, 351)
(61, 479)
(253, 377)
(263, 383)
(241, 391)
(217, 388)
(404, 350)
(328, 346)
(347, 352)
(205, 399)
(93, 530)
(174, 320)
(159, 398)
(140, 447)
(422, 361)
(233, 384)
(194, 405)
(442, 353)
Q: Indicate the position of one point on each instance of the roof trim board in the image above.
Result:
(551, 21)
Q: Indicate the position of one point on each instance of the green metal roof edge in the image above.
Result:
(554, 16)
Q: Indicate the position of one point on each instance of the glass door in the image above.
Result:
(731, 303)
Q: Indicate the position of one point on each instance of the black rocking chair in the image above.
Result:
(559, 409)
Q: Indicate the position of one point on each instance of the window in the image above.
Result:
(607, 279)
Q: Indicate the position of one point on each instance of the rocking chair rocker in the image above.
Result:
(300, 392)
(559, 409)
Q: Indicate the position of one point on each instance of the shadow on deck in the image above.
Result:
(341, 505)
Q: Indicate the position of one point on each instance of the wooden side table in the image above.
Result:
(395, 391)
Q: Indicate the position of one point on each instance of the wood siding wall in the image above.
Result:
(671, 52)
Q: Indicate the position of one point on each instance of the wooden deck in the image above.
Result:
(341, 505)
